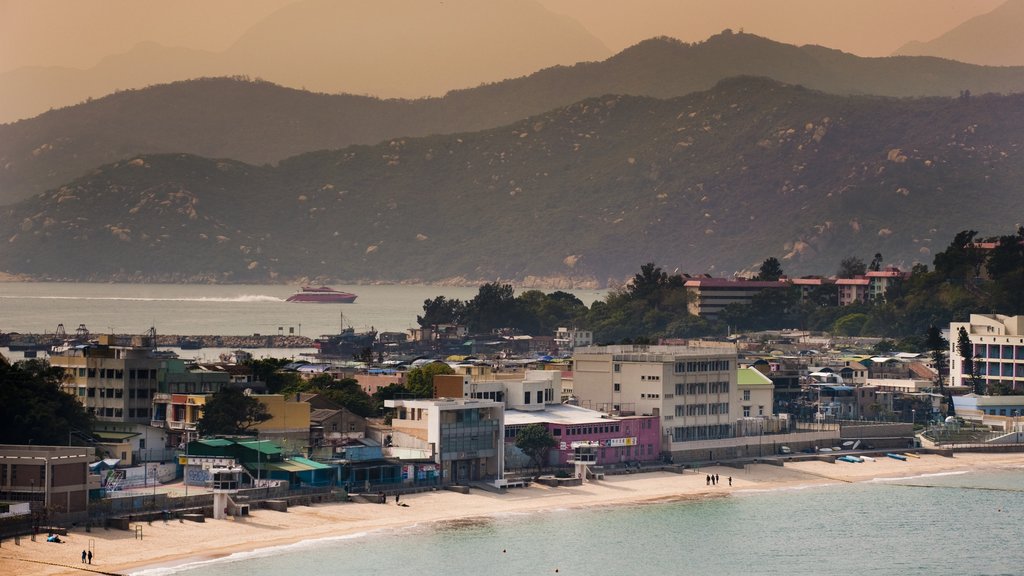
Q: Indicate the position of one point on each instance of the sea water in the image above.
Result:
(940, 524)
(235, 310)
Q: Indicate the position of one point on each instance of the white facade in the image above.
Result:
(998, 350)
(571, 338)
(466, 436)
(693, 389)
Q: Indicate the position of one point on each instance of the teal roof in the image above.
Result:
(216, 442)
(308, 462)
(262, 446)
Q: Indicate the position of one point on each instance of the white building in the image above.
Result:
(464, 437)
(693, 389)
(571, 338)
(998, 351)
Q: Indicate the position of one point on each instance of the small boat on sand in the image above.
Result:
(897, 456)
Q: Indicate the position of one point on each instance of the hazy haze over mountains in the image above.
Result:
(259, 122)
(59, 52)
(571, 148)
(992, 39)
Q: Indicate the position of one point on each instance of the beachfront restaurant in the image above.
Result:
(261, 459)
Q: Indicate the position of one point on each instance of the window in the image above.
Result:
(526, 399)
(746, 395)
(746, 411)
(760, 410)
(617, 367)
(618, 387)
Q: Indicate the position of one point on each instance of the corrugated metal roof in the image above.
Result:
(308, 462)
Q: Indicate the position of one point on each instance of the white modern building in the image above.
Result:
(463, 436)
(693, 389)
(998, 351)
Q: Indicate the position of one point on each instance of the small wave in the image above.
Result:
(918, 476)
(247, 555)
(241, 298)
(794, 488)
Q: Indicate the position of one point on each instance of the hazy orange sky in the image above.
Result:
(78, 33)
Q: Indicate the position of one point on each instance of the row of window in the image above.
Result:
(650, 378)
(713, 432)
(703, 366)
(998, 369)
(114, 373)
(721, 387)
(642, 395)
(702, 409)
(1006, 352)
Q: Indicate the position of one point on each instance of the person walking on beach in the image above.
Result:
(708, 480)
(730, 480)
(716, 479)
(90, 556)
(83, 556)
(397, 496)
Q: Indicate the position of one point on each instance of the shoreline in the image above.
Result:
(171, 545)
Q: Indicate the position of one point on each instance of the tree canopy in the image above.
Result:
(535, 441)
(37, 410)
(230, 411)
(420, 381)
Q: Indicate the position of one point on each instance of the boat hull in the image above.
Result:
(321, 295)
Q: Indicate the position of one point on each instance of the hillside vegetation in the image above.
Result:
(715, 181)
(259, 122)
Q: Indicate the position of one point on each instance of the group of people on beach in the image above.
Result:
(712, 480)
(86, 556)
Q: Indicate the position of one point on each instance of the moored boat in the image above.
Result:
(897, 456)
(322, 295)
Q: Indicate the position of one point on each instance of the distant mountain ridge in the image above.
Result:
(386, 48)
(992, 39)
(258, 122)
(714, 181)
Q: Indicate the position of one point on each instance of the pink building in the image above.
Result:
(617, 439)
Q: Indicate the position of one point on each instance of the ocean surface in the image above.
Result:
(931, 525)
(233, 310)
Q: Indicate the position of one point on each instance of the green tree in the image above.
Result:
(420, 381)
(348, 393)
(230, 411)
(937, 345)
(851, 267)
(850, 324)
(268, 370)
(35, 408)
(493, 307)
(771, 270)
(876, 262)
(884, 346)
(441, 310)
(536, 442)
(965, 348)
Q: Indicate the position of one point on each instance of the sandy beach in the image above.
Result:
(174, 542)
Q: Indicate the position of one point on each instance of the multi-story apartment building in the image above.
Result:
(114, 382)
(998, 351)
(709, 296)
(692, 389)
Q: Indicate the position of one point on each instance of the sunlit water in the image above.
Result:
(931, 525)
(214, 309)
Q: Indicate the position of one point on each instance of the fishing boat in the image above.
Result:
(850, 459)
(900, 457)
(911, 454)
(322, 295)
